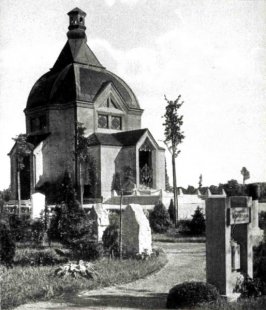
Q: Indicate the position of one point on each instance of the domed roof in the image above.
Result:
(77, 74)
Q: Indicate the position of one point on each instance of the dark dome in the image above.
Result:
(77, 75)
(77, 82)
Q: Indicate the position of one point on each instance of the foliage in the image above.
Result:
(37, 230)
(259, 263)
(69, 222)
(245, 173)
(53, 231)
(38, 257)
(184, 226)
(262, 220)
(145, 255)
(123, 181)
(173, 122)
(29, 284)
(7, 245)
(20, 227)
(191, 190)
(159, 218)
(23, 148)
(82, 269)
(200, 181)
(110, 240)
(87, 249)
(197, 224)
(5, 194)
(191, 293)
(253, 190)
(171, 211)
(173, 137)
(249, 287)
(233, 188)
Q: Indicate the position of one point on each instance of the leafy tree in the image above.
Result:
(191, 190)
(173, 137)
(245, 173)
(23, 149)
(233, 188)
(159, 218)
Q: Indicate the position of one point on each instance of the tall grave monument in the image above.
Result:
(229, 241)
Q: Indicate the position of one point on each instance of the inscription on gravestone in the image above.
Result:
(239, 215)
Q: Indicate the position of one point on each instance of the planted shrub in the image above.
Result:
(159, 218)
(171, 211)
(87, 249)
(250, 287)
(40, 257)
(110, 240)
(81, 269)
(7, 245)
(259, 265)
(190, 294)
(197, 224)
(20, 228)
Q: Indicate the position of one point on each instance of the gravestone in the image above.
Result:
(136, 231)
(228, 241)
(101, 220)
(37, 205)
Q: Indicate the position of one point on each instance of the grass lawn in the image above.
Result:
(173, 235)
(29, 284)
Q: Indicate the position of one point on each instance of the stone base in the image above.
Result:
(231, 297)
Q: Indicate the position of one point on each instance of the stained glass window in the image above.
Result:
(116, 122)
(102, 121)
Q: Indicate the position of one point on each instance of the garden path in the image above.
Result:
(186, 262)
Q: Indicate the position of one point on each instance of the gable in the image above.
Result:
(108, 99)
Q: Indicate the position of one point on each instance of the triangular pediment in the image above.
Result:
(109, 100)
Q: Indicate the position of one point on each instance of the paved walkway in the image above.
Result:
(186, 262)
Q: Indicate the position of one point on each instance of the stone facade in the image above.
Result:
(79, 90)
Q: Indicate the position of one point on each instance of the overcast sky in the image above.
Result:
(211, 52)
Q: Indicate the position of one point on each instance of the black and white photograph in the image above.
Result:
(133, 154)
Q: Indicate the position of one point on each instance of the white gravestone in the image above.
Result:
(37, 205)
(101, 218)
(136, 231)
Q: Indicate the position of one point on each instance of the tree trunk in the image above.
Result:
(80, 185)
(19, 193)
(120, 227)
(175, 193)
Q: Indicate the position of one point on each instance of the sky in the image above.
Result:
(212, 53)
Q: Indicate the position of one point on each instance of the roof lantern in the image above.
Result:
(76, 24)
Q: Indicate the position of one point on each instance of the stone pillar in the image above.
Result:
(228, 227)
(218, 248)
